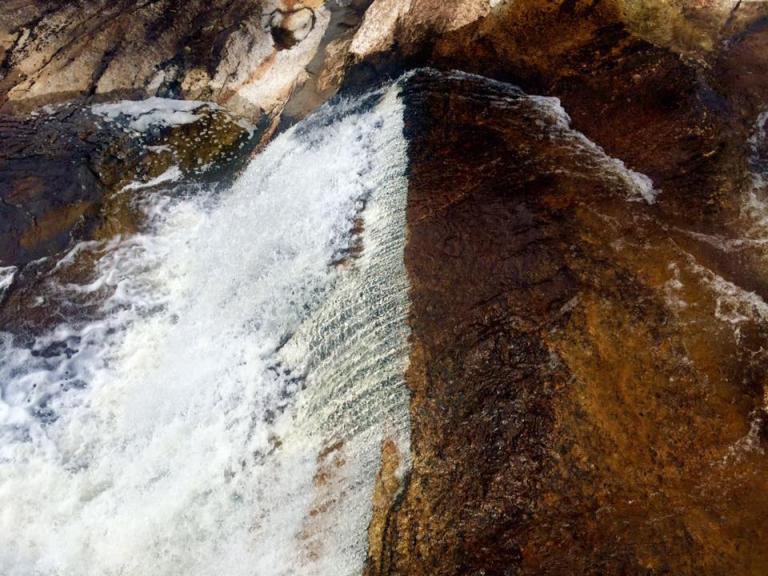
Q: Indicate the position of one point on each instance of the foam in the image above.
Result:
(172, 174)
(7, 275)
(178, 430)
(141, 115)
(755, 205)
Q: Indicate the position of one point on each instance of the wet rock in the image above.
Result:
(587, 369)
(658, 84)
(588, 388)
(642, 102)
(47, 185)
(386, 490)
(72, 181)
(695, 29)
(61, 173)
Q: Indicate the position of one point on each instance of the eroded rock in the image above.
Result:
(588, 394)
(588, 367)
(248, 55)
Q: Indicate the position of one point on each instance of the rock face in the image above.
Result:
(248, 55)
(588, 383)
(61, 174)
(588, 366)
(407, 23)
(46, 186)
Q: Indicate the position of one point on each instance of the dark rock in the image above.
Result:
(47, 183)
(288, 28)
(582, 401)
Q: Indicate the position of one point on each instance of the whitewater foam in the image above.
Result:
(143, 114)
(7, 275)
(181, 429)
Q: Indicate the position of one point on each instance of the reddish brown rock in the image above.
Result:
(587, 376)
(588, 371)
(47, 184)
(643, 103)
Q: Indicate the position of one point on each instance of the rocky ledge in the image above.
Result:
(586, 220)
(248, 55)
(588, 298)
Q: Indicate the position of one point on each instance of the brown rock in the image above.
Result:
(588, 393)
(385, 492)
(588, 372)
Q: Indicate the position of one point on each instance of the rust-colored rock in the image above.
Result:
(588, 370)
(386, 490)
(641, 102)
(46, 185)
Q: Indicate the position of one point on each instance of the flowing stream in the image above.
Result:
(222, 408)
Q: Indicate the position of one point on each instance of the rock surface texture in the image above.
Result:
(246, 54)
(588, 366)
(586, 246)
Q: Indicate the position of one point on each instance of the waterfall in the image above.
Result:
(222, 409)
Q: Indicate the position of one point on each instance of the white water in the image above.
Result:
(184, 431)
(7, 274)
(143, 114)
(553, 116)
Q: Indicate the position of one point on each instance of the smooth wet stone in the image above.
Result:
(587, 370)
(62, 173)
(47, 183)
(588, 395)
(588, 367)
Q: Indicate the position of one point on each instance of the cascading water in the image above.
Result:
(223, 411)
